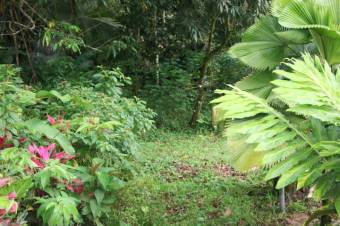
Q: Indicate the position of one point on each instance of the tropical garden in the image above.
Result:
(155, 112)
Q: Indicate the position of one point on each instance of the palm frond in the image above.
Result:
(261, 48)
(270, 135)
(246, 159)
(278, 6)
(311, 89)
(258, 83)
(294, 36)
(322, 18)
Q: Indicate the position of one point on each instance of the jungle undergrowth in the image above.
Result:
(184, 179)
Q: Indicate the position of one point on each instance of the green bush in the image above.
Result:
(66, 151)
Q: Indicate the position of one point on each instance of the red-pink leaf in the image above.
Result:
(12, 195)
(51, 120)
(14, 207)
(4, 181)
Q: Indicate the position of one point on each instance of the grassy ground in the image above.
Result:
(184, 180)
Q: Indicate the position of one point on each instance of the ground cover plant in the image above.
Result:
(185, 179)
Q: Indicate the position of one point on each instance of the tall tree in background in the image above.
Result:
(219, 24)
(24, 23)
(138, 36)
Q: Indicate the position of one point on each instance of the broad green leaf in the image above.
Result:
(104, 179)
(309, 178)
(322, 19)
(99, 194)
(278, 6)
(261, 48)
(4, 202)
(294, 36)
(328, 148)
(323, 185)
(42, 127)
(242, 155)
(94, 208)
(21, 187)
(53, 93)
(117, 184)
(258, 83)
(288, 164)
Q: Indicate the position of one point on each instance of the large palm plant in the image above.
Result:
(294, 27)
(286, 115)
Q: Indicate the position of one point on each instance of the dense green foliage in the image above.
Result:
(55, 38)
(70, 118)
(83, 82)
(292, 127)
(73, 166)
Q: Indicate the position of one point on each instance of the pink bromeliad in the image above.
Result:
(42, 154)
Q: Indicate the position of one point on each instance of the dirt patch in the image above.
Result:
(296, 219)
(225, 170)
(168, 176)
(186, 170)
(214, 214)
(175, 210)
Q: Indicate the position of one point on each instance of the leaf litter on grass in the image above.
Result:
(185, 180)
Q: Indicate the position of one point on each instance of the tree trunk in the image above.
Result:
(203, 71)
(157, 48)
(200, 94)
(73, 6)
(200, 85)
(157, 69)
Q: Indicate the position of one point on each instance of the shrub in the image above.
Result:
(64, 155)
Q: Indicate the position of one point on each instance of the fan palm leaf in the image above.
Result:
(261, 48)
(265, 44)
(258, 83)
(322, 18)
(278, 6)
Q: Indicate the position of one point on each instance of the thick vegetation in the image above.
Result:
(288, 121)
(65, 153)
(70, 118)
(85, 84)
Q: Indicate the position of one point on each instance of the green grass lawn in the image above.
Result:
(185, 180)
